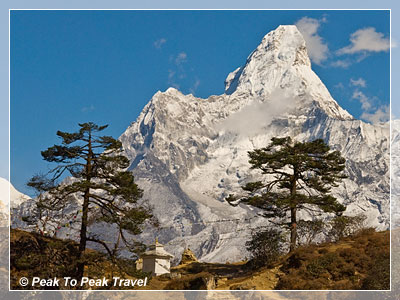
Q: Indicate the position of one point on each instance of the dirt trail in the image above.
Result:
(265, 279)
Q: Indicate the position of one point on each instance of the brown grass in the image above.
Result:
(359, 262)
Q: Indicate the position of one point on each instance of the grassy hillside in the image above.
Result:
(358, 262)
(34, 255)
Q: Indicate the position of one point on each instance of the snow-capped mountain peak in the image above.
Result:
(281, 61)
(188, 154)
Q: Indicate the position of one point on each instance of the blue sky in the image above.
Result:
(104, 66)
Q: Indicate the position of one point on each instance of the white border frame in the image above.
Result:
(198, 9)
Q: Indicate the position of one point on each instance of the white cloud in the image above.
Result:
(172, 80)
(181, 58)
(253, 118)
(171, 74)
(358, 82)
(366, 39)
(380, 115)
(178, 71)
(316, 47)
(345, 63)
(88, 108)
(195, 86)
(339, 86)
(371, 113)
(366, 103)
(362, 56)
(158, 44)
(341, 64)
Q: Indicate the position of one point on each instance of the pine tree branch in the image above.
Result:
(104, 244)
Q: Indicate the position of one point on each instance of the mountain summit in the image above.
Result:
(281, 61)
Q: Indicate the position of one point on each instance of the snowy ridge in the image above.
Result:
(7, 191)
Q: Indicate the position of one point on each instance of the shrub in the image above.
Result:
(321, 265)
(308, 230)
(359, 262)
(265, 246)
(343, 226)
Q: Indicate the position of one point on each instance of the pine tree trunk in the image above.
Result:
(85, 212)
(293, 229)
(293, 218)
(82, 243)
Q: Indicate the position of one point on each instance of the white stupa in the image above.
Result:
(156, 260)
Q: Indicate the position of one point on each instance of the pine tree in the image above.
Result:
(99, 178)
(299, 177)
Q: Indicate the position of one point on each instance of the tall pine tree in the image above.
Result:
(107, 190)
(299, 177)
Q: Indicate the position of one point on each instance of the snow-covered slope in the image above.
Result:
(395, 173)
(188, 154)
(7, 191)
(3, 213)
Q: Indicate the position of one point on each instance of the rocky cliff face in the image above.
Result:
(189, 153)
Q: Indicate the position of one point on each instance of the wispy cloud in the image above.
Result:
(380, 115)
(366, 103)
(339, 86)
(253, 118)
(345, 63)
(341, 63)
(159, 43)
(177, 72)
(172, 79)
(181, 74)
(366, 40)
(181, 58)
(317, 49)
(171, 74)
(372, 112)
(358, 82)
(88, 108)
(195, 86)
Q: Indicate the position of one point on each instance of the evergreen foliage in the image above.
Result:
(265, 246)
(308, 230)
(343, 226)
(299, 176)
(100, 179)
